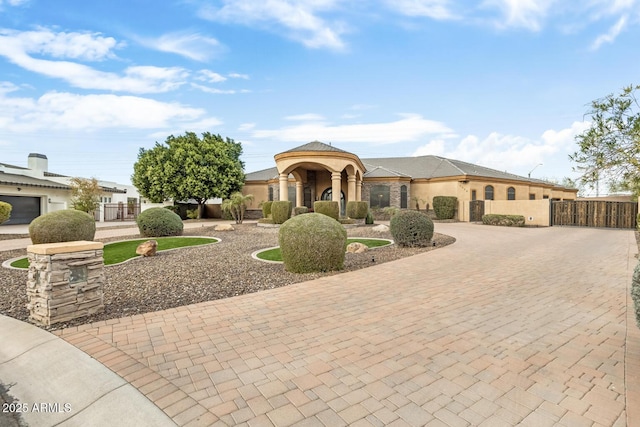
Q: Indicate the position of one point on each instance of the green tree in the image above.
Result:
(609, 150)
(85, 194)
(188, 167)
(236, 205)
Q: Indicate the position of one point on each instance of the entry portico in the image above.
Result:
(320, 168)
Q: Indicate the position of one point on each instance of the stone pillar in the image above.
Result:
(284, 182)
(65, 281)
(351, 188)
(336, 186)
(359, 190)
(299, 194)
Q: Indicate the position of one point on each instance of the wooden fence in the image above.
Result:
(594, 213)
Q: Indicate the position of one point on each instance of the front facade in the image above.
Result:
(317, 171)
(33, 190)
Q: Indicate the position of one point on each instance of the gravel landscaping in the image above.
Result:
(196, 274)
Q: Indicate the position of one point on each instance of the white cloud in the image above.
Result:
(435, 9)
(190, 45)
(245, 127)
(300, 19)
(497, 150)
(238, 76)
(72, 112)
(210, 76)
(527, 14)
(137, 79)
(213, 90)
(309, 117)
(611, 35)
(411, 127)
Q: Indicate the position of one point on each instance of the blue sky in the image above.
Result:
(501, 83)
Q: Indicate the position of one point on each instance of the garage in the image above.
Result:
(24, 209)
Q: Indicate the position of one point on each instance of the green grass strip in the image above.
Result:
(275, 254)
(118, 252)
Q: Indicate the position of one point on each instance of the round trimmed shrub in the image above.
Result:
(159, 222)
(299, 210)
(5, 212)
(266, 209)
(357, 210)
(68, 225)
(328, 208)
(311, 243)
(445, 206)
(411, 228)
(281, 211)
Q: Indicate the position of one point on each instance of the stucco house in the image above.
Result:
(34, 190)
(318, 171)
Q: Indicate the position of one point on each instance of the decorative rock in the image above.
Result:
(147, 248)
(224, 227)
(356, 248)
(380, 228)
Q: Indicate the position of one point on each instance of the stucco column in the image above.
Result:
(299, 195)
(284, 191)
(359, 190)
(351, 188)
(336, 184)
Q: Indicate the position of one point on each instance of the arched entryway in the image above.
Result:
(328, 195)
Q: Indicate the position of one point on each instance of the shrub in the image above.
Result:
(5, 212)
(159, 222)
(357, 210)
(504, 220)
(192, 213)
(445, 206)
(68, 225)
(173, 208)
(311, 243)
(281, 211)
(299, 210)
(390, 211)
(411, 228)
(635, 292)
(369, 219)
(266, 209)
(265, 221)
(328, 208)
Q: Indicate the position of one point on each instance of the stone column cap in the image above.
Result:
(64, 247)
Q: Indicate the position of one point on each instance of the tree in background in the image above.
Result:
(187, 167)
(609, 150)
(236, 205)
(85, 194)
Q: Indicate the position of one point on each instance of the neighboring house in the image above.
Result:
(33, 190)
(317, 171)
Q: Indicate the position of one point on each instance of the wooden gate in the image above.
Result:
(476, 210)
(594, 213)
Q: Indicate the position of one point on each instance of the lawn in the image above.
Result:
(276, 255)
(117, 252)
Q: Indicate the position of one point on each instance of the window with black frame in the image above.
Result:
(488, 192)
(511, 193)
(403, 197)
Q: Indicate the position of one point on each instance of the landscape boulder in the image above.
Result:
(356, 248)
(224, 227)
(148, 248)
(380, 228)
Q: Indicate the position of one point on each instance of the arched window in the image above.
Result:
(379, 196)
(403, 197)
(511, 193)
(488, 192)
(328, 195)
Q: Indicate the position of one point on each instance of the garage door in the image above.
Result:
(24, 209)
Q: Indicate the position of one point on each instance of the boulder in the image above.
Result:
(224, 227)
(148, 248)
(356, 248)
(380, 228)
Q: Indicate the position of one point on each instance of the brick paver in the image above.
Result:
(505, 327)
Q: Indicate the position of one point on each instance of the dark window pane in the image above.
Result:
(379, 197)
(488, 192)
(511, 193)
(403, 197)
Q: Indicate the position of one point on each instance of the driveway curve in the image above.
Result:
(507, 326)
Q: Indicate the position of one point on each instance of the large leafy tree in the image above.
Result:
(85, 194)
(188, 167)
(609, 151)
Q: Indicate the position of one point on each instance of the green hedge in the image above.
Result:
(330, 209)
(311, 243)
(357, 210)
(68, 225)
(299, 210)
(159, 222)
(281, 211)
(266, 209)
(635, 292)
(503, 220)
(411, 228)
(445, 206)
(5, 212)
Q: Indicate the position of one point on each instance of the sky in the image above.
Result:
(501, 83)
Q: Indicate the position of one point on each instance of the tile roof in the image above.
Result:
(27, 181)
(315, 146)
(262, 175)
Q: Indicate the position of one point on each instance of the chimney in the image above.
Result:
(38, 163)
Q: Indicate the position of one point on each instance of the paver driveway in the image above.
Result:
(505, 327)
